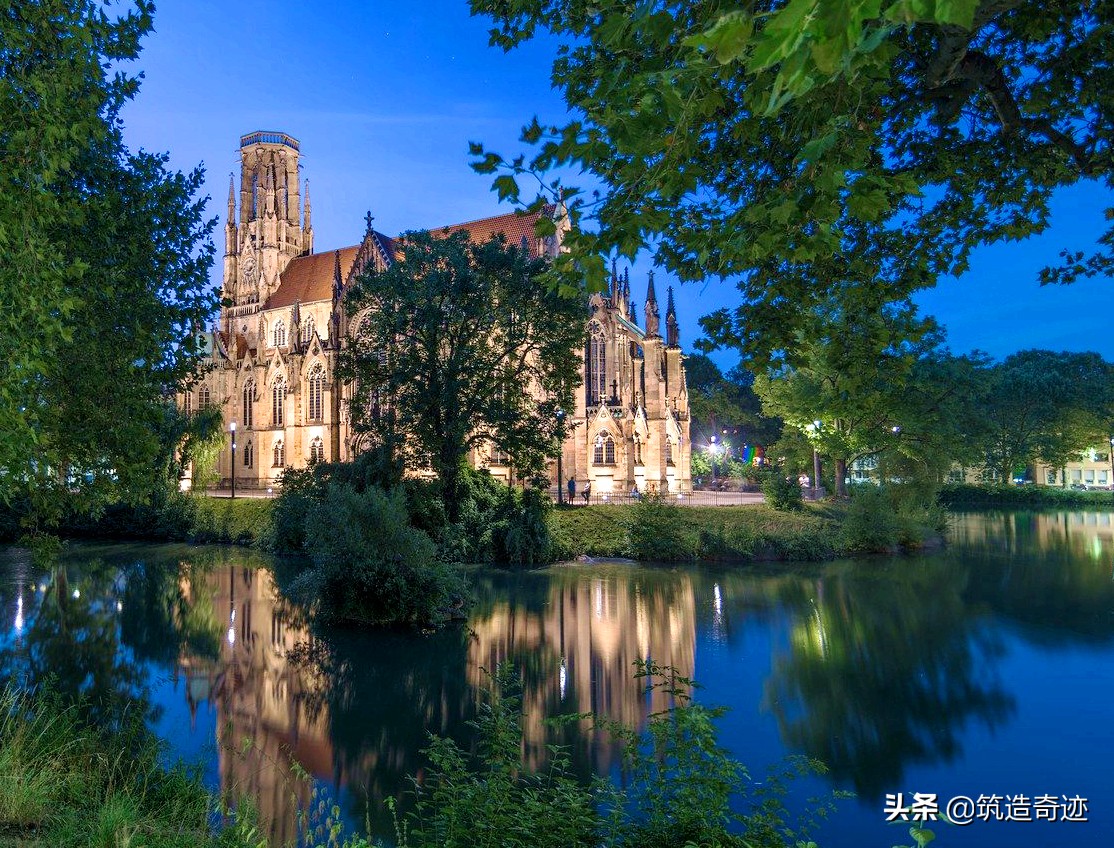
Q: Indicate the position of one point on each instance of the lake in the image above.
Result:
(986, 669)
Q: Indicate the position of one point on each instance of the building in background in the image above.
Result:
(273, 354)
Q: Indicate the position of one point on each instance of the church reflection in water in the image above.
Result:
(354, 710)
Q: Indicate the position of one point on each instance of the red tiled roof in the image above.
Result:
(310, 278)
(514, 226)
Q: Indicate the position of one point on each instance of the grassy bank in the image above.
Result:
(961, 495)
(713, 534)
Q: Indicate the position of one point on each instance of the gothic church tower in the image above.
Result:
(271, 229)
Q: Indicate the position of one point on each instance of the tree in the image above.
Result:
(105, 278)
(761, 142)
(459, 346)
(876, 383)
(1046, 405)
(717, 400)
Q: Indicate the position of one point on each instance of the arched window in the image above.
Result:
(315, 410)
(668, 451)
(280, 455)
(278, 402)
(203, 397)
(317, 450)
(254, 195)
(280, 334)
(187, 403)
(597, 370)
(307, 328)
(249, 455)
(637, 451)
(500, 457)
(605, 450)
(249, 402)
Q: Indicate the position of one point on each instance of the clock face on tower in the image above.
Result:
(247, 268)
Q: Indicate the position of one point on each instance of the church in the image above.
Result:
(270, 359)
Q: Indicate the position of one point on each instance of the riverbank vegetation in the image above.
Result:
(964, 496)
(69, 782)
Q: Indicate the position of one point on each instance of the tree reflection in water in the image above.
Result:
(884, 669)
(887, 663)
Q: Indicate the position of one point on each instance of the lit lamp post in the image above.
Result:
(560, 452)
(712, 450)
(232, 427)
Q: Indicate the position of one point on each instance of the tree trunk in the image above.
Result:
(841, 477)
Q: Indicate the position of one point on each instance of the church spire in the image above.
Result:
(231, 201)
(309, 211)
(651, 309)
(672, 331)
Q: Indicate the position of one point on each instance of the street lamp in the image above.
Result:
(712, 450)
(560, 452)
(232, 427)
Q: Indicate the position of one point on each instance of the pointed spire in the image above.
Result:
(231, 201)
(672, 331)
(309, 212)
(651, 309)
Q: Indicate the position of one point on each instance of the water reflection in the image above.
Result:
(876, 667)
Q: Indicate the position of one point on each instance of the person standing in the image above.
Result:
(572, 489)
(587, 492)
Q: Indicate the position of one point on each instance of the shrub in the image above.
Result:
(371, 566)
(782, 492)
(658, 532)
(871, 524)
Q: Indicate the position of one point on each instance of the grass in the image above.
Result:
(724, 533)
(64, 783)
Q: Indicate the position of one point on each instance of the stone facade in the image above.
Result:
(272, 355)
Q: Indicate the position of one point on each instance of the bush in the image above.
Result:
(371, 566)
(658, 532)
(680, 787)
(965, 495)
(782, 492)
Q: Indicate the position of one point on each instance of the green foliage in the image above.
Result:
(105, 277)
(460, 346)
(1046, 405)
(743, 533)
(657, 532)
(781, 489)
(885, 518)
(370, 565)
(67, 783)
(962, 495)
(789, 144)
(679, 786)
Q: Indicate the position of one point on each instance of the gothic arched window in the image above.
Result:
(637, 451)
(187, 403)
(254, 195)
(597, 369)
(280, 334)
(307, 328)
(278, 401)
(280, 454)
(668, 451)
(604, 453)
(249, 402)
(316, 408)
(317, 450)
(203, 397)
(249, 455)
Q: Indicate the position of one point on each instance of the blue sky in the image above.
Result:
(384, 98)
